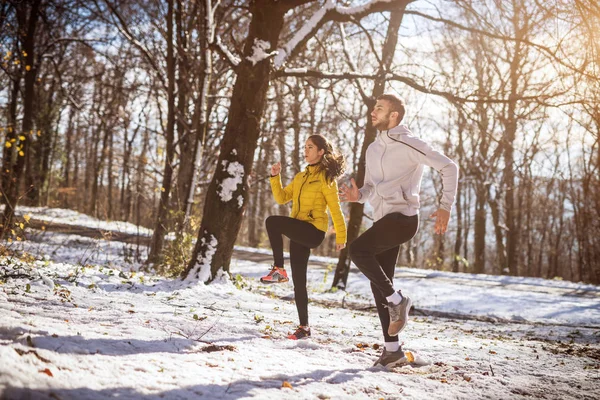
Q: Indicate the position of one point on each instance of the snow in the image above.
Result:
(286, 50)
(359, 9)
(234, 60)
(74, 218)
(302, 70)
(81, 319)
(259, 51)
(201, 271)
(230, 185)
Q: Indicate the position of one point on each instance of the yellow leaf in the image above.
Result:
(10, 128)
(21, 137)
(39, 133)
(28, 68)
(27, 217)
(286, 384)
(13, 140)
(162, 189)
(22, 226)
(21, 154)
(17, 62)
(24, 53)
(8, 145)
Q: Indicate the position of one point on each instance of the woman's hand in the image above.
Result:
(340, 246)
(275, 169)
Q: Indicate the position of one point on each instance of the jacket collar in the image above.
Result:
(396, 132)
(311, 169)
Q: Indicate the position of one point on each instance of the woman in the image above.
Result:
(312, 192)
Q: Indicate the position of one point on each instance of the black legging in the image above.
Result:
(375, 253)
(303, 237)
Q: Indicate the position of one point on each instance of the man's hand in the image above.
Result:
(349, 193)
(275, 169)
(441, 220)
(339, 246)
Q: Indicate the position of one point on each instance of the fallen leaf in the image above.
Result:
(47, 372)
(409, 356)
(286, 384)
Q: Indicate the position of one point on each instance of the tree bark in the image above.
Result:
(28, 19)
(162, 218)
(227, 193)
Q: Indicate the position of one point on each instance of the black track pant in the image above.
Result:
(375, 253)
(303, 237)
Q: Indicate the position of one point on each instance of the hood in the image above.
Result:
(398, 131)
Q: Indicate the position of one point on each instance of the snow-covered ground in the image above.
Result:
(80, 320)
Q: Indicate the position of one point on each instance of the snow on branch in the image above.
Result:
(233, 60)
(330, 12)
(314, 22)
(259, 51)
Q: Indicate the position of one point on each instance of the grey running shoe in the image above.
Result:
(390, 358)
(398, 315)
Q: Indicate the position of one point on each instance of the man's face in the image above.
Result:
(382, 114)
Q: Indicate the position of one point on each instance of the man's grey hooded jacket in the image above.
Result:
(394, 170)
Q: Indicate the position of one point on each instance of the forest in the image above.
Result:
(169, 113)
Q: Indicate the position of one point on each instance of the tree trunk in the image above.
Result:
(66, 177)
(342, 269)
(227, 193)
(162, 218)
(9, 152)
(480, 226)
(28, 18)
(512, 211)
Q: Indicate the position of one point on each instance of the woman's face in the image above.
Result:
(312, 154)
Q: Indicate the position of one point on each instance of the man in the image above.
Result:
(394, 168)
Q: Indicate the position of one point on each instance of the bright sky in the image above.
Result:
(108, 330)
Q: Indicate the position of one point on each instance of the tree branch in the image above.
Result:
(327, 13)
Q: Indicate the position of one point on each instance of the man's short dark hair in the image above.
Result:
(397, 104)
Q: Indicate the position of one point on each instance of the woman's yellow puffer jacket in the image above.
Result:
(311, 196)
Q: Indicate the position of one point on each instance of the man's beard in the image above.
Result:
(382, 124)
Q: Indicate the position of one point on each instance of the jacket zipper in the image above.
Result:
(382, 169)
(300, 192)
